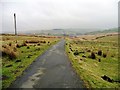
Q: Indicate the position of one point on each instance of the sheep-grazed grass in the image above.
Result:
(99, 67)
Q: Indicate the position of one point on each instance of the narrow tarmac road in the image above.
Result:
(51, 70)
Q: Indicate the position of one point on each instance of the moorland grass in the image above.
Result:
(92, 70)
(26, 53)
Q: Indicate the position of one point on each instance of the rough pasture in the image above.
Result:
(18, 52)
(95, 60)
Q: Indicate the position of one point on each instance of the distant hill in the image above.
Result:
(70, 31)
(62, 32)
(113, 30)
(58, 32)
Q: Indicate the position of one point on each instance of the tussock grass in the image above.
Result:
(9, 51)
(21, 45)
(35, 41)
(32, 41)
(101, 71)
(18, 56)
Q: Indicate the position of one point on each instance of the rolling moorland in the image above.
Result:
(94, 57)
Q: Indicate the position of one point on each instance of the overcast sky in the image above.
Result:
(50, 14)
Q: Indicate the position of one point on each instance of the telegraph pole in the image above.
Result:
(118, 17)
(15, 26)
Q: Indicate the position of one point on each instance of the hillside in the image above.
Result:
(71, 31)
(58, 32)
(62, 32)
(114, 30)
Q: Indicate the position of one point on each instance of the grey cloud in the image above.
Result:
(49, 14)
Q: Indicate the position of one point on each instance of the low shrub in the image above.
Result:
(81, 52)
(24, 44)
(76, 52)
(17, 61)
(99, 52)
(99, 60)
(12, 55)
(21, 45)
(104, 55)
(37, 49)
(32, 41)
(69, 45)
(14, 49)
(35, 41)
(84, 56)
(11, 52)
(18, 45)
(10, 44)
(4, 77)
(38, 44)
(9, 65)
(4, 46)
(29, 56)
(92, 55)
(48, 41)
(71, 49)
(88, 50)
(106, 78)
(42, 41)
(28, 47)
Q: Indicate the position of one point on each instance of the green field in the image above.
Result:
(17, 56)
(95, 61)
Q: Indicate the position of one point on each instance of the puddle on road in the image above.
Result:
(49, 54)
(43, 62)
(54, 50)
(62, 66)
(32, 79)
(58, 52)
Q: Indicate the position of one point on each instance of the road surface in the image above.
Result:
(51, 70)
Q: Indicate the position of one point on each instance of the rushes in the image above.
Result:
(35, 41)
(21, 45)
(10, 51)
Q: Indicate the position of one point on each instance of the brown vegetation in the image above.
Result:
(9, 51)
(104, 55)
(100, 52)
(32, 41)
(76, 52)
(92, 55)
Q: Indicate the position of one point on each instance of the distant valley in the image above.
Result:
(72, 32)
